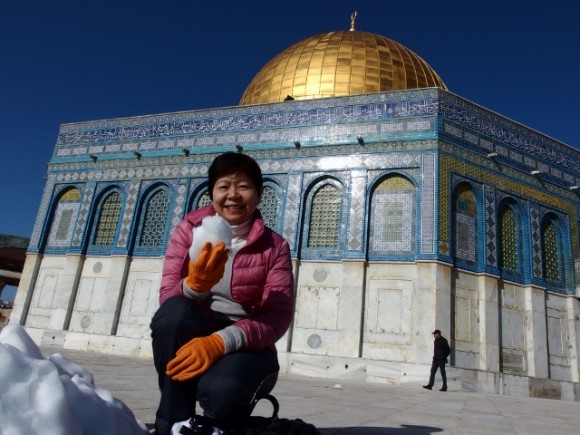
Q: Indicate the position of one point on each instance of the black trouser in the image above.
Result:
(438, 364)
(225, 392)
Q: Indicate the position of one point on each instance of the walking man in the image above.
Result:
(441, 351)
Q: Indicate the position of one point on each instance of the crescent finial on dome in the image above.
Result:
(352, 18)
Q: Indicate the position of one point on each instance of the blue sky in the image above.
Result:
(66, 61)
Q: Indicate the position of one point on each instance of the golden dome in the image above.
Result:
(340, 63)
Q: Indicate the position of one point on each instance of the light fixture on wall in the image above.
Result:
(93, 158)
(574, 187)
(239, 148)
(491, 155)
(535, 172)
(360, 141)
(186, 152)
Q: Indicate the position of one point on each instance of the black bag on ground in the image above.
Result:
(255, 425)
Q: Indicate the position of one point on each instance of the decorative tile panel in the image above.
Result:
(357, 215)
(291, 214)
(536, 238)
(86, 204)
(490, 227)
(428, 205)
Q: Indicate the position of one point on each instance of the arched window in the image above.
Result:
(269, 206)
(552, 252)
(392, 223)
(325, 218)
(203, 201)
(64, 219)
(465, 220)
(510, 239)
(155, 219)
(108, 220)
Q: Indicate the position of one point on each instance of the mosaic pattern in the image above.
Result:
(41, 218)
(64, 220)
(269, 206)
(178, 208)
(325, 218)
(204, 201)
(291, 215)
(552, 256)
(83, 214)
(108, 219)
(127, 220)
(414, 103)
(509, 240)
(428, 205)
(400, 132)
(465, 227)
(537, 261)
(512, 181)
(392, 217)
(490, 227)
(500, 129)
(484, 130)
(357, 216)
(155, 219)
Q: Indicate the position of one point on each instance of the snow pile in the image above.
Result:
(54, 395)
(213, 229)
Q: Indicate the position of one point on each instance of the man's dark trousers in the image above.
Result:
(438, 364)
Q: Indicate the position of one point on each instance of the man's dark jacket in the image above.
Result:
(441, 349)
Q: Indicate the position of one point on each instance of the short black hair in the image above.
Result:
(231, 163)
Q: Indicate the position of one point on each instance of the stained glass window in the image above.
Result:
(155, 219)
(324, 218)
(64, 219)
(509, 240)
(269, 206)
(465, 226)
(108, 219)
(392, 216)
(551, 251)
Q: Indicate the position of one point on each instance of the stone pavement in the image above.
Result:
(348, 408)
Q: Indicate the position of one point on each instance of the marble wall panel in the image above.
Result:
(328, 308)
(466, 342)
(389, 304)
(513, 329)
(141, 298)
(44, 293)
(99, 290)
(558, 342)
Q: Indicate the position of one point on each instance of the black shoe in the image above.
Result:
(443, 389)
(427, 387)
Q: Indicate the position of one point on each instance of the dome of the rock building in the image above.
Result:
(340, 63)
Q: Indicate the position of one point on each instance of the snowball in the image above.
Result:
(53, 395)
(213, 229)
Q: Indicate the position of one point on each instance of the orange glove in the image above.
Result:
(195, 357)
(209, 267)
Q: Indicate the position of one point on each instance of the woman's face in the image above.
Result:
(235, 198)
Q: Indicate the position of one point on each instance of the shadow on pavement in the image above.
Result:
(405, 429)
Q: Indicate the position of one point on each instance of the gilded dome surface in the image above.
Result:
(340, 63)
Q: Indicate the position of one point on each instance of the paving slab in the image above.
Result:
(353, 408)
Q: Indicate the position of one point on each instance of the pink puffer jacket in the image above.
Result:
(262, 280)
